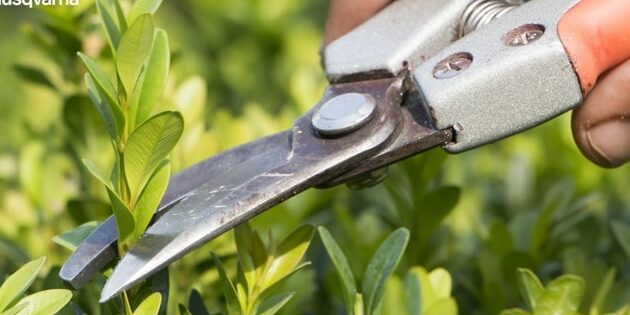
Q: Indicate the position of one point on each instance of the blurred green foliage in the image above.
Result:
(246, 68)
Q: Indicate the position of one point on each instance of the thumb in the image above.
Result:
(601, 126)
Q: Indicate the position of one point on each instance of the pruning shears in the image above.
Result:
(420, 74)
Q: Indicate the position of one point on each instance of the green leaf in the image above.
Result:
(48, 302)
(514, 311)
(622, 233)
(18, 282)
(125, 221)
(133, 51)
(15, 310)
(33, 75)
(243, 239)
(183, 310)
(150, 305)
(150, 85)
(602, 292)
(562, 296)
(150, 197)
(530, 287)
(442, 307)
(441, 282)
(340, 262)
(414, 290)
(72, 239)
(141, 7)
(101, 81)
(231, 298)
(273, 304)
(287, 258)
(381, 267)
(112, 30)
(112, 116)
(148, 146)
(436, 205)
(195, 304)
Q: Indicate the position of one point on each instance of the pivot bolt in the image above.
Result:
(524, 35)
(343, 114)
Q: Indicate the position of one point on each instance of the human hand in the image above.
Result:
(601, 125)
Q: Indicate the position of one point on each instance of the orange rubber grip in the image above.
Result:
(596, 36)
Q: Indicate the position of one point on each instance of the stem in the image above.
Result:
(128, 310)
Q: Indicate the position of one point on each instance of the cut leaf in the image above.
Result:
(150, 305)
(141, 7)
(150, 197)
(288, 256)
(148, 146)
(72, 239)
(48, 302)
(381, 266)
(19, 282)
(150, 85)
(340, 262)
(133, 51)
(530, 287)
(272, 305)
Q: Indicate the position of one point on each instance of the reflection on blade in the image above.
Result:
(99, 248)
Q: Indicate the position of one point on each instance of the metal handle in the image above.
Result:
(506, 77)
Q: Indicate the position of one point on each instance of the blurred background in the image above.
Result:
(242, 69)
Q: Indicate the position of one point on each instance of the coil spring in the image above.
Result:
(482, 12)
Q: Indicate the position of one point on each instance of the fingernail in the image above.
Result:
(610, 142)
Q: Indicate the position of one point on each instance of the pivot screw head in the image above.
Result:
(452, 65)
(343, 114)
(524, 35)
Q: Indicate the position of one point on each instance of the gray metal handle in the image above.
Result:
(506, 77)
(404, 34)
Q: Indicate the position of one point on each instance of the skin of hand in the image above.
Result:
(601, 125)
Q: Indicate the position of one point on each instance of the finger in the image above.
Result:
(345, 15)
(601, 126)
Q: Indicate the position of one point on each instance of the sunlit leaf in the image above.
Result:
(150, 197)
(149, 86)
(133, 51)
(441, 282)
(442, 307)
(48, 302)
(288, 255)
(273, 304)
(101, 81)
(602, 292)
(514, 311)
(340, 262)
(73, 238)
(530, 287)
(19, 281)
(561, 296)
(381, 266)
(141, 7)
(110, 25)
(358, 308)
(148, 146)
(150, 305)
(232, 302)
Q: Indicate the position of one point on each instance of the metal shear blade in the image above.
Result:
(293, 161)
